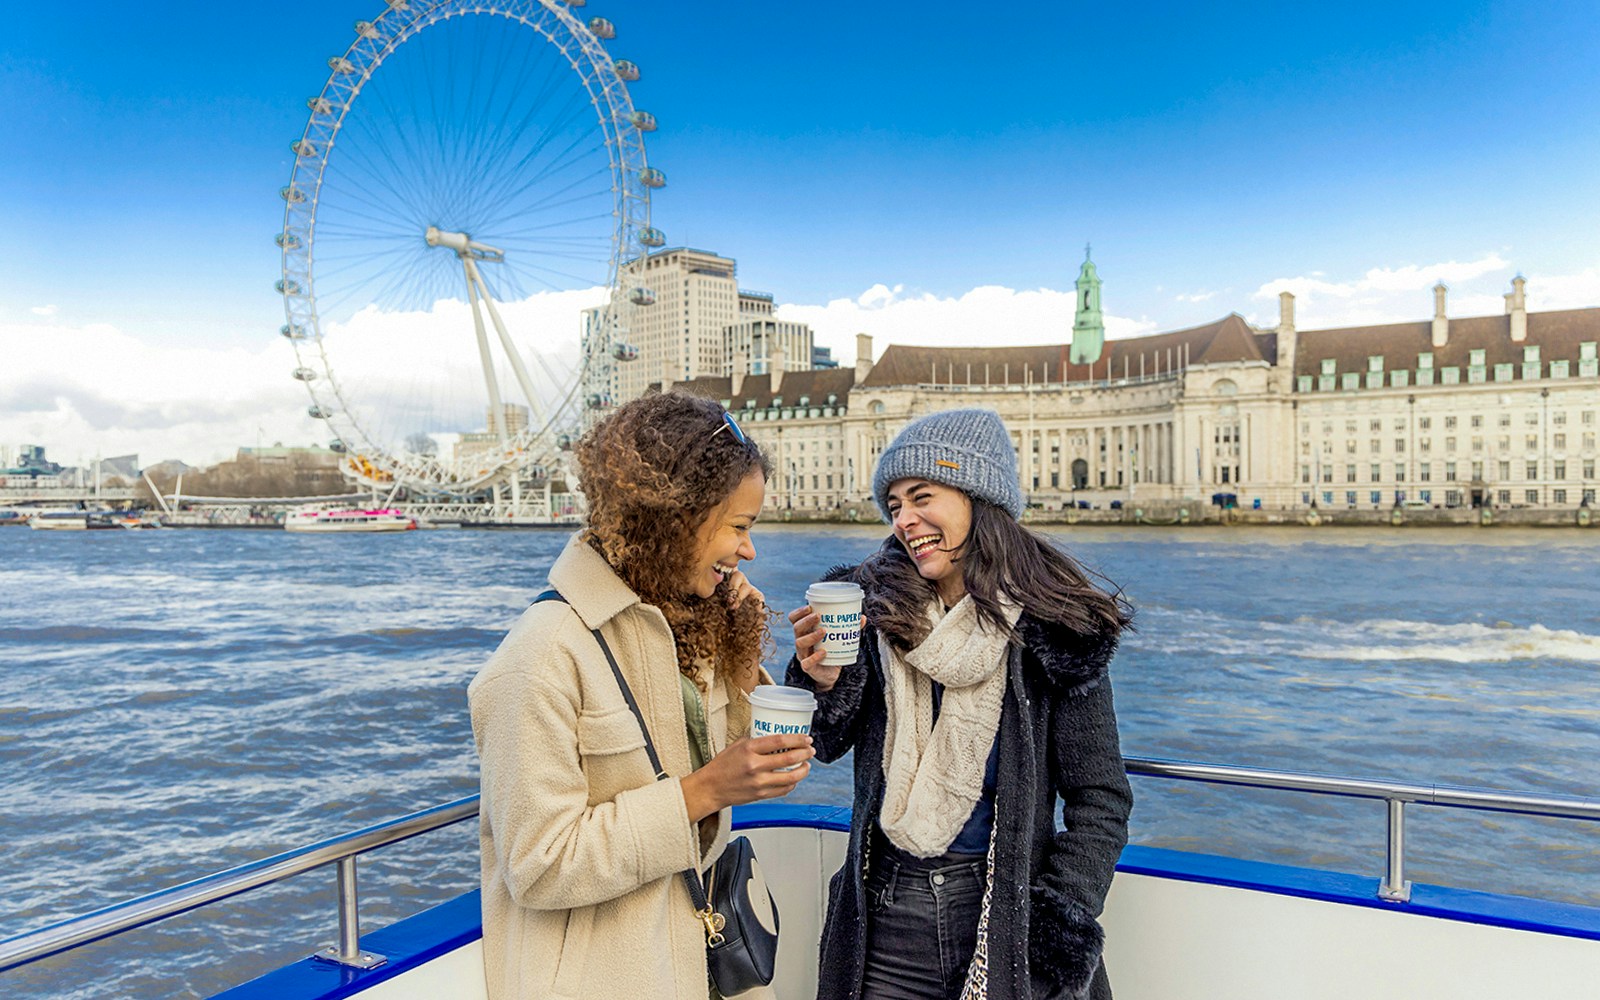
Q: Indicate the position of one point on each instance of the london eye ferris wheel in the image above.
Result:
(471, 186)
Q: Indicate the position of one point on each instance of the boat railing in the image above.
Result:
(342, 852)
(1396, 794)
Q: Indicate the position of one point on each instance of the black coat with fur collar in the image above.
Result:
(1058, 741)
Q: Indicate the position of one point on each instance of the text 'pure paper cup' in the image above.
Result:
(775, 709)
(839, 604)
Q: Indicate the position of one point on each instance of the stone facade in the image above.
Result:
(1490, 410)
(698, 324)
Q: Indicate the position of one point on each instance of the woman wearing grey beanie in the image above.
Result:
(979, 700)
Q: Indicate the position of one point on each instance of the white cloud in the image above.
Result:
(989, 314)
(45, 310)
(1398, 294)
(94, 389)
(1196, 297)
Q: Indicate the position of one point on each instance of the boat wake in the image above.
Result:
(1391, 640)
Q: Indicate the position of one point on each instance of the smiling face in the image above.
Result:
(932, 522)
(724, 536)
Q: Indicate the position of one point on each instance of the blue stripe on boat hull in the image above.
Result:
(408, 944)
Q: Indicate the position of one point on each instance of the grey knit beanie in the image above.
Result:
(967, 449)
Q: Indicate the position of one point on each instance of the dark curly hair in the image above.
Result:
(652, 473)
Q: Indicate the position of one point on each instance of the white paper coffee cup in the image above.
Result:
(776, 709)
(839, 604)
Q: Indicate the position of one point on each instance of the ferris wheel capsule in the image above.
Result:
(644, 121)
(598, 401)
(625, 352)
(292, 331)
(320, 106)
(602, 28)
(642, 297)
(650, 177)
(304, 147)
(287, 286)
(305, 374)
(626, 70)
(341, 65)
(287, 241)
(366, 29)
(650, 236)
(336, 446)
(564, 442)
(577, 3)
(318, 413)
(291, 194)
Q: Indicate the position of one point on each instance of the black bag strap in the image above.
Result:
(691, 878)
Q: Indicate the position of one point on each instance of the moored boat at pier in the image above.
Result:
(349, 520)
(75, 520)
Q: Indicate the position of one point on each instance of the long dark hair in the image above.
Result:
(999, 556)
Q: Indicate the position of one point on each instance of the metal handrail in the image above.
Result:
(1393, 888)
(1553, 806)
(342, 850)
(169, 902)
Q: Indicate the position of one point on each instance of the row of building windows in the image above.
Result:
(1330, 378)
(1375, 425)
(1558, 470)
(1456, 498)
(1558, 442)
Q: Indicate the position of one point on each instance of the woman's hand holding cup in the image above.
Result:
(827, 631)
(808, 634)
(751, 770)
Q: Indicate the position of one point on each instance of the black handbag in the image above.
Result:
(733, 903)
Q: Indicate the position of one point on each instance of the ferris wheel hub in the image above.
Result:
(462, 244)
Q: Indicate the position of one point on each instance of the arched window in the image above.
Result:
(1080, 474)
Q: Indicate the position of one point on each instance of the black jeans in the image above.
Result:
(922, 923)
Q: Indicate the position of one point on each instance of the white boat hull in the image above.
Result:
(342, 522)
(59, 524)
(1179, 926)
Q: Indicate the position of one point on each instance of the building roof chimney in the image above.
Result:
(1441, 325)
(863, 357)
(1287, 341)
(1519, 309)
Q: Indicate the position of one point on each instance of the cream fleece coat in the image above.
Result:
(582, 846)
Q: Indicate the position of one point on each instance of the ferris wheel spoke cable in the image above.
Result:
(527, 162)
(406, 176)
(500, 192)
(511, 200)
(591, 178)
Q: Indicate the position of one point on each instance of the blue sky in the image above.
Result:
(932, 149)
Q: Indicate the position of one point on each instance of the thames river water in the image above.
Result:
(177, 702)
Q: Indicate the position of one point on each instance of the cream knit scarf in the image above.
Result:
(934, 771)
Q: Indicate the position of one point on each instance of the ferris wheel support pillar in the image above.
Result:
(497, 414)
(517, 366)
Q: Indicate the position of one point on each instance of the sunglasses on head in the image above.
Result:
(729, 424)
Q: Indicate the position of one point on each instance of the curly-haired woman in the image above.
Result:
(582, 845)
(979, 700)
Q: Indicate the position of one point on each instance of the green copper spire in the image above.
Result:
(1088, 328)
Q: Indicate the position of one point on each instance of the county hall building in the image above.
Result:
(1484, 410)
